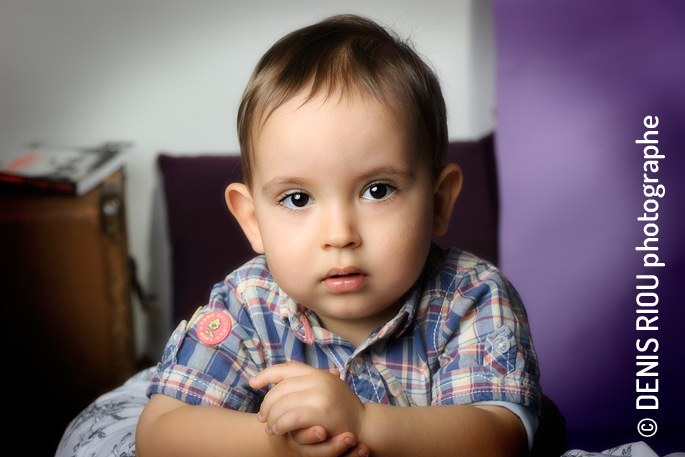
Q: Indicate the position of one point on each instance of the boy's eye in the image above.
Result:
(378, 191)
(296, 200)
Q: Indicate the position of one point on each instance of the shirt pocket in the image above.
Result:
(500, 352)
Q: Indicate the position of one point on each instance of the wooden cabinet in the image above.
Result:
(65, 292)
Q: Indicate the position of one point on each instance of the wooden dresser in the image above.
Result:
(65, 294)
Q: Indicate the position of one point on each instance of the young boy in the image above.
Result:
(351, 312)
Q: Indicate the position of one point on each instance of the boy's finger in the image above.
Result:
(289, 394)
(309, 435)
(360, 450)
(282, 422)
(333, 447)
(277, 373)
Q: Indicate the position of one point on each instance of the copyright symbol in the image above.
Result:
(647, 427)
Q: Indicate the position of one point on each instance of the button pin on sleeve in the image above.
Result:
(213, 328)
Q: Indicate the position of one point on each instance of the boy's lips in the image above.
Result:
(345, 279)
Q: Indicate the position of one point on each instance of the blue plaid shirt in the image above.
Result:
(461, 337)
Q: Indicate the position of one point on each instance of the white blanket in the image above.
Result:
(107, 427)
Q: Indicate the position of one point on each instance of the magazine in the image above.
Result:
(64, 169)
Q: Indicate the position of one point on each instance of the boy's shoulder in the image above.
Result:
(255, 269)
(250, 280)
(452, 272)
(253, 274)
(456, 262)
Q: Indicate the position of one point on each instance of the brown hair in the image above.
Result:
(339, 55)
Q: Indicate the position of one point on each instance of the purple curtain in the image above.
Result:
(575, 80)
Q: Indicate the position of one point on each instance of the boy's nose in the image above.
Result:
(340, 229)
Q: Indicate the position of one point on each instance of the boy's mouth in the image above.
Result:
(345, 279)
(342, 276)
(342, 272)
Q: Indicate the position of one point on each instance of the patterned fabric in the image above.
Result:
(461, 337)
(107, 427)
(637, 449)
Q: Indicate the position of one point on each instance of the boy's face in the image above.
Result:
(343, 210)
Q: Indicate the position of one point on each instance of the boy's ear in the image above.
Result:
(241, 205)
(447, 188)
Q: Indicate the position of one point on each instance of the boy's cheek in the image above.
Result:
(283, 242)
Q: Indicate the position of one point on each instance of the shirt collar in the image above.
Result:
(295, 315)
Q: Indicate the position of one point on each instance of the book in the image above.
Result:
(64, 169)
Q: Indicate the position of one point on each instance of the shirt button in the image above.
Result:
(501, 344)
(357, 366)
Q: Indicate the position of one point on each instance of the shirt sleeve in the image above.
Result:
(213, 371)
(487, 351)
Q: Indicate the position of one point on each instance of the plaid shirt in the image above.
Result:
(461, 337)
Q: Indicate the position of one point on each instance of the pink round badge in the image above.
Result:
(213, 327)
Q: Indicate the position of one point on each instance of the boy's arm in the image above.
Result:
(171, 427)
(168, 426)
(458, 430)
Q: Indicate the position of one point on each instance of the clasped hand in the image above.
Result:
(317, 413)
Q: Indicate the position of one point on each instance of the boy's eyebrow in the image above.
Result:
(381, 170)
(278, 182)
(388, 170)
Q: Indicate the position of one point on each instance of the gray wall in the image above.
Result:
(168, 75)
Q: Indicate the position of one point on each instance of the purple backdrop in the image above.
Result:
(575, 80)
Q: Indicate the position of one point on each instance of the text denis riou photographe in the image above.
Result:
(647, 298)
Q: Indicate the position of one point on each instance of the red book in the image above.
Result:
(64, 170)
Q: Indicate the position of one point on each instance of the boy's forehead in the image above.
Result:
(304, 123)
(333, 105)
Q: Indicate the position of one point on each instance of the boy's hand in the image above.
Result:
(309, 404)
(342, 445)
